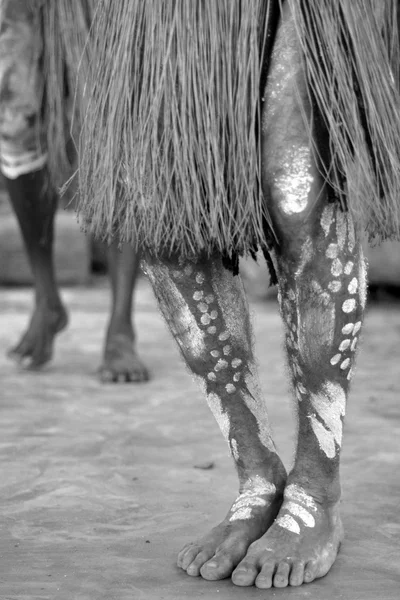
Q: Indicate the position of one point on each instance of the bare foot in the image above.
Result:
(120, 362)
(36, 345)
(301, 545)
(216, 555)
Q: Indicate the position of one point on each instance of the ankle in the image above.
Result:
(323, 490)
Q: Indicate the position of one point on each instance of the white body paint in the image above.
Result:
(214, 402)
(184, 326)
(301, 513)
(349, 305)
(257, 491)
(255, 403)
(330, 406)
(298, 494)
(287, 522)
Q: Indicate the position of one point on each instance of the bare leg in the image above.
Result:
(120, 361)
(206, 310)
(34, 205)
(322, 286)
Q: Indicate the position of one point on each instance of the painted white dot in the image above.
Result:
(344, 345)
(212, 377)
(357, 327)
(353, 286)
(203, 307)
(209, 299)
(332, 251)
(348, 267)
(200, 278)
(292, 295)
(205, 319)
(221, 364)
(347, 329)
(188, 270)
(197, 296)
(236, 377)
(337, 268)
(224, 336)
(215, 353)
(227, 349)
(345, 364)
(236, 363)
(212, 330)
(349, 305)
(354, 344)
(335, 359)
(334, 286)
(230, 388)
(213, 314)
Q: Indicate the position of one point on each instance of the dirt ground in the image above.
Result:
(100, 486)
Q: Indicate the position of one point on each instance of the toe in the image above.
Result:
(264, 579)
(194, 567)
(281, 578)
(106, 375)
(310, 571)
(138, 374)
(245, 573)
(219, 567)
(297, 573)
(187, 555)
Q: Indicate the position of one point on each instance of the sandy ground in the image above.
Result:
(100, 485)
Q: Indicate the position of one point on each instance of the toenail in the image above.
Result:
(212, 564)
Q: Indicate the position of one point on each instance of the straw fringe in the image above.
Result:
(169, 152)
(170, 144)
(352, 58)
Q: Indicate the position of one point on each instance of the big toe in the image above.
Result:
(219, 567)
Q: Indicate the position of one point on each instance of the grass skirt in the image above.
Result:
(170, 143)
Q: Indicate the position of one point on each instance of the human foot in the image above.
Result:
(120, 361)
(300, 546)
(216, 555)
(36, 345)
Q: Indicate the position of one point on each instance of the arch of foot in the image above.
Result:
(206, 310)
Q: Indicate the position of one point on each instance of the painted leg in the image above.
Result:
(206, 310)
(120, 360)
(34, 205)
(322, 291)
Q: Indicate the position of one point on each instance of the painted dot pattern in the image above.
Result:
(335, 286)
(349, 305)
(353, 286)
